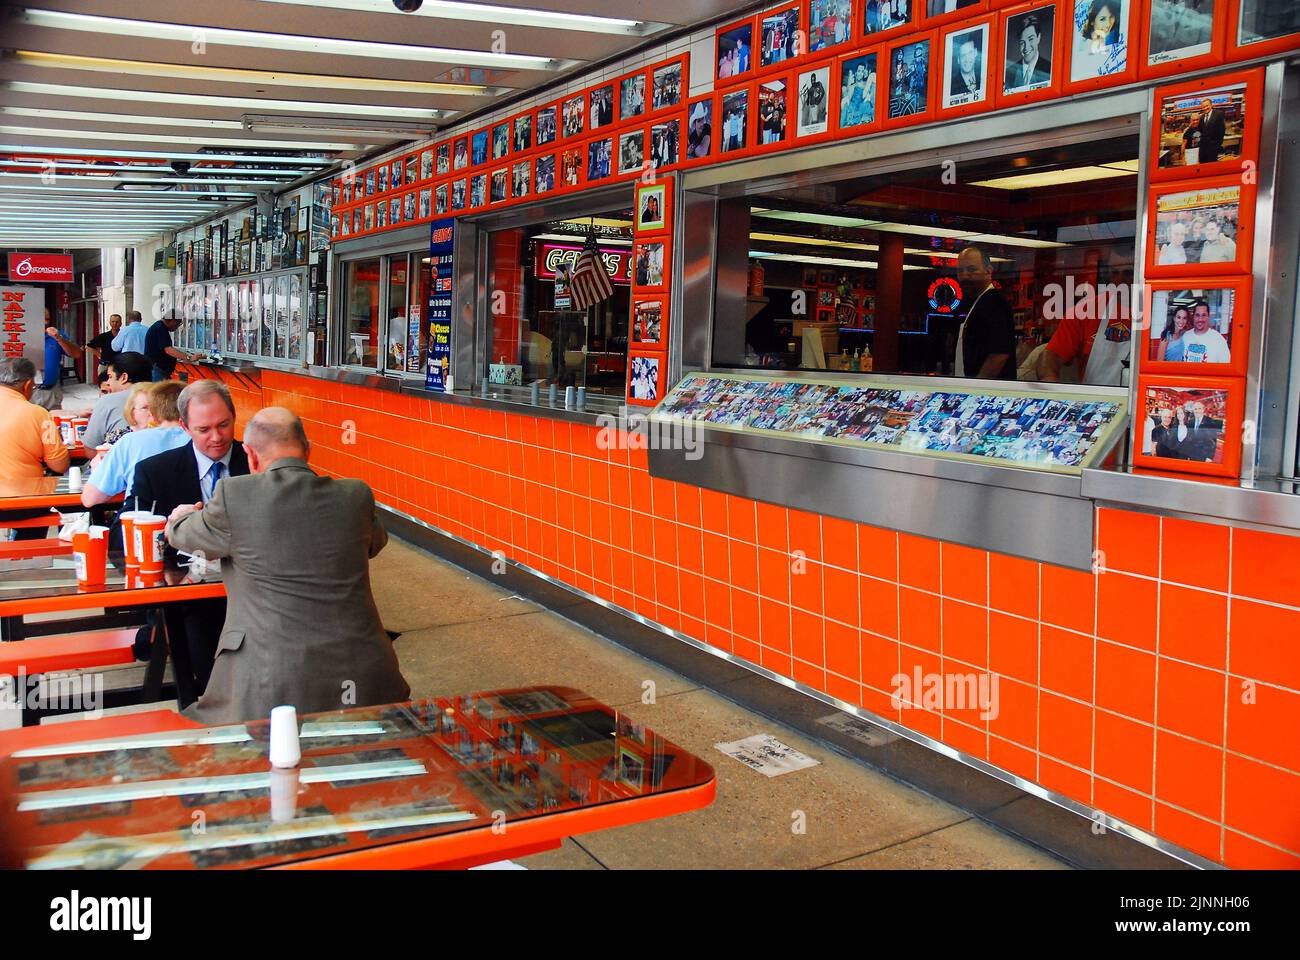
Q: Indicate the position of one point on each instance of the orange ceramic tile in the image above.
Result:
(809, 674)
(740, 519)
(842, 650)
(1266, 566)
(840, 543)
(1126, 609)
(1122, 751)
(690, 549)
(1065, 729)
(1066, 661)
(1065, 780)
(717, 557)
(807, 639)
(970, 696)
(693, 627)
(774, 575)
(1013, 585)
(918, 562)
(1013, 758)
(774, 624)
(1194, 626)
(922, 721)
(1267, 726)
(1122, 804)
(723, 639)
(1243, 853)
(643, 575)
(805, 533)
(967, 739)
(806, 585)
(1188, 831)
(964, 573)
(879, 703)
(690, 588)
(965, 633)
(843, 688)
(717, 605)
(1014, 713)
(1262, 801)
(1013, 646)
(918, 619)
(878, 606)
(879, 661)
(744, 565)
(1068, 598)
(877, 552)
(746, 650)
(713, 511)
(1194, 553)
(910, 660)
(666, 590)
(1126, 681)
(1189, 774)
(1262, 643)
(771, 527)
(688, 504)
(840, 593)
(1190, 701)
(744, 614)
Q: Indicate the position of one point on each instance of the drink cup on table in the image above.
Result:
(128, 519)
(284, 749)
(90, 556)
(150, 541)
(74, 478)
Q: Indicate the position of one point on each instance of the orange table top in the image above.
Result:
(40, 492)
(49, 584)
(446, 781)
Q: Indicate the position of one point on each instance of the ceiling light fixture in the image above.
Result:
(489, 13)
(57, 134)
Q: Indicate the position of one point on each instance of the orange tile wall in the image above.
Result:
(1121, 689)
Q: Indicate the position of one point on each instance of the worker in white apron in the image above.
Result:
(1106, 361)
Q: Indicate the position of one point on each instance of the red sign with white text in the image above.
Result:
(40, 267)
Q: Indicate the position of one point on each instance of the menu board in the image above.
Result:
(1055, 432)
(441, 243)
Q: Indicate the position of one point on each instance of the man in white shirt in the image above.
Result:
(124, 370)
(131, 337)
(1202, 343)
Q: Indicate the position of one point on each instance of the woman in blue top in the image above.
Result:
(1171, 340)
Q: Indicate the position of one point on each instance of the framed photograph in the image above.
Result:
(650, 264)
(1200, 228)
(813, 103)
(521, 178)
(600, 156)
(571, 116)
(381, 179)
(734, 50)
(1208, 126)
(631, 152)
(825, 314)
(773, 107)
(778, 36)
(699, 129)
(666, 85)
(946, 11)
(1099, 44)
(358, 224)
(500, 140)
(443, 164)
(544, 181)
(441, 199)
(523, 133)
(826, 277)
(370, 216)
(809, 277)
(426, 202)
(967, 51)
(412, 168)
(858, 103)
(478, 190)
(1183, 35)
(398, 167)
(408, 205)
(884, 17)
(571, 165)
(648, 322)
(300, 245)
(459, 194)
(645, 380)
(395, 210)
(1189, 424)
(461, 156)
(370, 182)
(631, 95)
(381, 216)
(500, 186)
(1197, 322)
(665, 143)
(830, 23)
(546, 124)
(910, 95)
(1032, 53)
(600, 105)
(304, 216)
(1257, 28)
(652, 201)
(733, 120)
(479, 147)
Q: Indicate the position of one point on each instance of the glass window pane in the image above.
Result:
(417, 344)
(395, 355)
(361, 313)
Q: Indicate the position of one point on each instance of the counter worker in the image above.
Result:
(1100, 345)
(986, 341)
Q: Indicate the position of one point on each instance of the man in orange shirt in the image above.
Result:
(29, 441)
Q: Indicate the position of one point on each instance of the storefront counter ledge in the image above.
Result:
(1273, 505)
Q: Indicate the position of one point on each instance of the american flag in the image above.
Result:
(590, 283)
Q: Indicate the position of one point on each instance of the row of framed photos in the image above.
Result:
(260, 317)
(650, 303)
(1115, 39)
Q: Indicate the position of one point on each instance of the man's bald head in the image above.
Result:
(272, 434)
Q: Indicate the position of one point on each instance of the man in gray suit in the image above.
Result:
(301, 625)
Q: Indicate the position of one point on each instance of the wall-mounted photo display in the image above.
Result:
(395, 210)
(650, 264)
(812, 108)
(1197, 322)
(523, 133)
(884, 16)
(648, 322)
(544, 181)
(665, 138)
(830, 23)
(370, 183)
(398, 167)
(735, 48)
(645, 381)
(1031, 57)
(1189, 424)
(357, 226)
(1099, 43)
(478, 190)
(600, 157)
(426, 202)
(1207, 126)
(652, 202)
(441, 199)
(1201, 227)
(858, 90)
(945, 11)
(666, 86)
(500, 140)
(1264, 26)
(334, 225)
(778, 36)
(571, 116)
(546, 124)
(571, 161)
(479, 147)
(1181, 34)
(381, 221)
(600, 107)
(408, 205)
(631, 151)
(442, 161)
(699, 129)
(965, 82)
(773, 97)
(733, 120)
(458, 194)
(521, 176)
(412, 168)
(500, 186)
(909, 95)
(370, 216)
(381, 179)
(631, 96)
(461, 156)
(348, 183)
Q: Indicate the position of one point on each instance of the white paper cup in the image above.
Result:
(74, 478)
(284, 795)
(284, 750)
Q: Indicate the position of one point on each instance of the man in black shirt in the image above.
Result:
(103, 347)
(158, 348)
(986, 343)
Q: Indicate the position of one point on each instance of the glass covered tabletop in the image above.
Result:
(369, 777)
(45, 578)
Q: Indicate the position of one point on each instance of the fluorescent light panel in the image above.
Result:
(78, 191)
(114, 178)
(61, 165)
(43, 114)
(488, 13)
(258, 40)
(27, 150)
(51, 132)
(885, 226)
(1053, 178)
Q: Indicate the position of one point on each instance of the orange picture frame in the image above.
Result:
(985, 27)
(1015, 17)
(969, 10)
(1252, 84)
(1129, 28)
(1168, 64)
(899, 50)
(1157, 312)
(1170, 198)
(1220, 440)
(852, 60)
(1237, 50)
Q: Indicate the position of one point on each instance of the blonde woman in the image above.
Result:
(135, 412)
